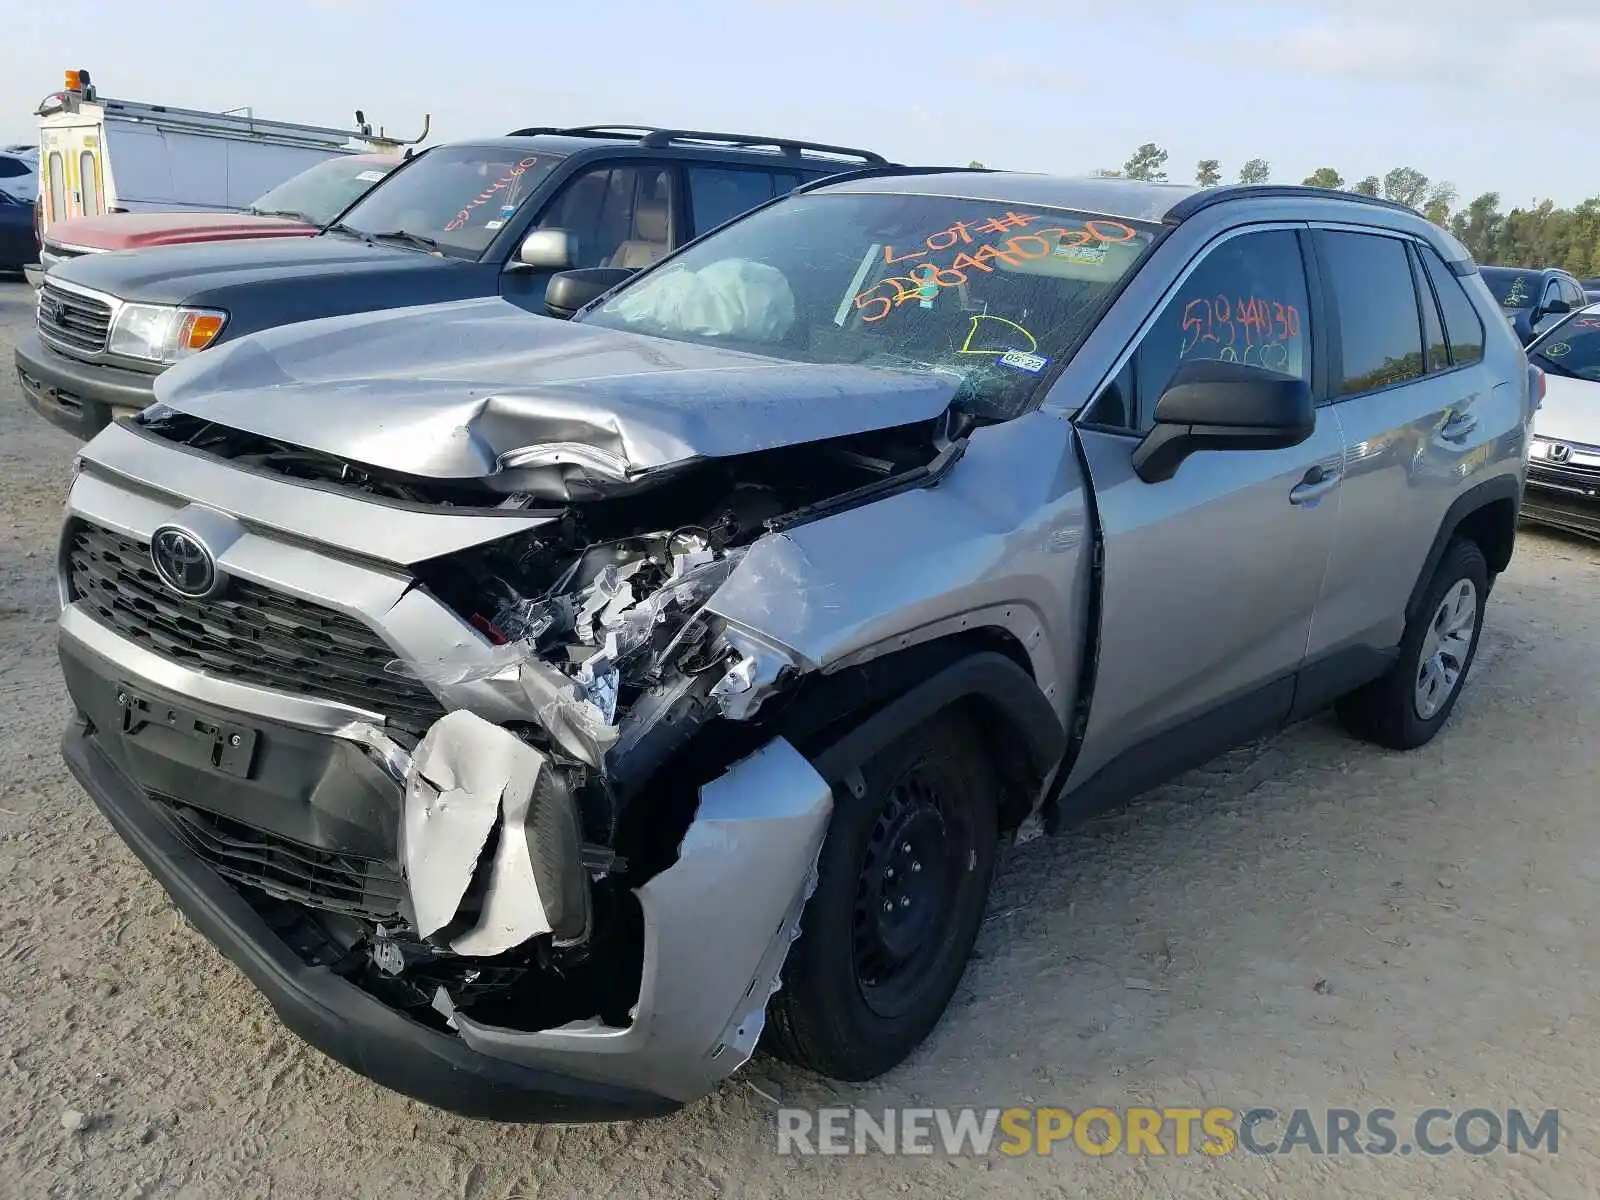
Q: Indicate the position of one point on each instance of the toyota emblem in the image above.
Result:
(184, 563)
(1560, 452)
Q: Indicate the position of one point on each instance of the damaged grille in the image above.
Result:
(250, 633)
(340, 883)
(72, 322)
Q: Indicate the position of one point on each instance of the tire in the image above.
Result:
(915, 852)
(1393, 711)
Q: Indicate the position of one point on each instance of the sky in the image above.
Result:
(1484, 95)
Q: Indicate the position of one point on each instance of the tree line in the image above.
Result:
(1542, 236)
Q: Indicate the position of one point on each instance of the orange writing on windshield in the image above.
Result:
(875, 303)
(489, 193)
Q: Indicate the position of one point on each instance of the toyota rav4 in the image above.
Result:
(541, 713)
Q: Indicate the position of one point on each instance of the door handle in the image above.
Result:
(1318, 482)
(1457, 427)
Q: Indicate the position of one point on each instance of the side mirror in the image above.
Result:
(569, 291)
(547, 250)
(1557, 306)
(1224, 406)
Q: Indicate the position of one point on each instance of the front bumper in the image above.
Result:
(336, 1017)
(82, 398)
(1564, 498)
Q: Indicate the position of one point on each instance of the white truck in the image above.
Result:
(99, 155)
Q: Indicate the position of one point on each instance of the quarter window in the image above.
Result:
(1463, 326)
(89, 182)
(1438, 350)
(1375, 301)
(1246, 302)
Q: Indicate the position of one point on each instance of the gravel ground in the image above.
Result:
(1305, 922)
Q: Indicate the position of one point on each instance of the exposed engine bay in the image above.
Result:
(523, 845)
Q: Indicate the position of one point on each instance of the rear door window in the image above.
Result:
(719, 194)
(1246, 302)
(1379, 333)
(1463, 326)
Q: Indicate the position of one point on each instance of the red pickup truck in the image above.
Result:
(297, 207)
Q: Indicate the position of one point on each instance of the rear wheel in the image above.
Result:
(1409, 705)
(902, 883)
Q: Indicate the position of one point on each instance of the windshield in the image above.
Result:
(1572, 348)
(1512, 289)
(456, 197)
(988, 293)
(320, 194)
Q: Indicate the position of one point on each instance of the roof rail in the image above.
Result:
(1198, 201)
(652, 137)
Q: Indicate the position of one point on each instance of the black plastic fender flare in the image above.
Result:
(987, 675)
(1501, 487)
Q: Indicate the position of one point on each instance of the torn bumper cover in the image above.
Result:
(710, 963)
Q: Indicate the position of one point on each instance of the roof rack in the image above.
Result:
(1196, 201)
(652, 137)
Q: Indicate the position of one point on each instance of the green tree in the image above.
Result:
(1208, 172)
(1406, 185)
(975, 163)
(1257, 170)
(1478, 227)
(1324, 177)
(1148, 162)
(1370, 186)
(1437, 206)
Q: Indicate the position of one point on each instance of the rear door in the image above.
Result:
(1210, 577)
(1411, 412)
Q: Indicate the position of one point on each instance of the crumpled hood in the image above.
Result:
(1570, 412)
(481, 389)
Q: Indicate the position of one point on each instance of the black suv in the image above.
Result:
(1530, 297)
(472, 219)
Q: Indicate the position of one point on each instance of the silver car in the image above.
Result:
(1564, 460)
(543, 712)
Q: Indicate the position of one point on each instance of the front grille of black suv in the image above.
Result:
(250, 634)
(72, 322)
(341, 883)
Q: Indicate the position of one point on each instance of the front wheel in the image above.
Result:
(1409, 705)
(902, 884)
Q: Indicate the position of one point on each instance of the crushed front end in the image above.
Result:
(474, 788)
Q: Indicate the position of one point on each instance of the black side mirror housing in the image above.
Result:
(568, 291)
(1213, 405)
(1556, 306)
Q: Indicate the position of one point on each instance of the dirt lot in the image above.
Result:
(1307, 922)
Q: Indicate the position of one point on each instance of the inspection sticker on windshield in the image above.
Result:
(1021, 360)
(1091, 254)
(369, 176)
(493, 224)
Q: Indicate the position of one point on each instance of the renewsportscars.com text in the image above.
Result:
(1164, 1132)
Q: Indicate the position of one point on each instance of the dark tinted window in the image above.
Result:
(13, 168)
(1376, 301)
(1572, 348)
(1462, 325)
(718, 195)
(1246, 302)
(1432, 328)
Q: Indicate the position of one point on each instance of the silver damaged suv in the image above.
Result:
(541, 712)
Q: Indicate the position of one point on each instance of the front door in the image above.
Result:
(1210, 577)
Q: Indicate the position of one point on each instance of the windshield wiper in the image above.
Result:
(406, 236)
(348, 231)
(292, 214)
